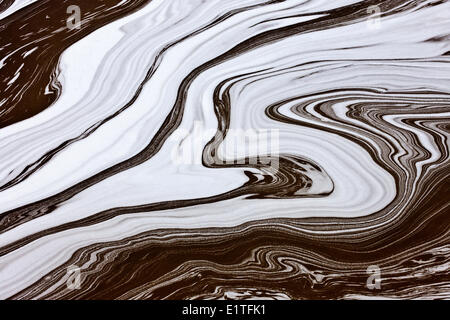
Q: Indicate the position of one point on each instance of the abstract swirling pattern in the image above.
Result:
(90, 117)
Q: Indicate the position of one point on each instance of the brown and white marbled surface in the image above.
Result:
(359, 92)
